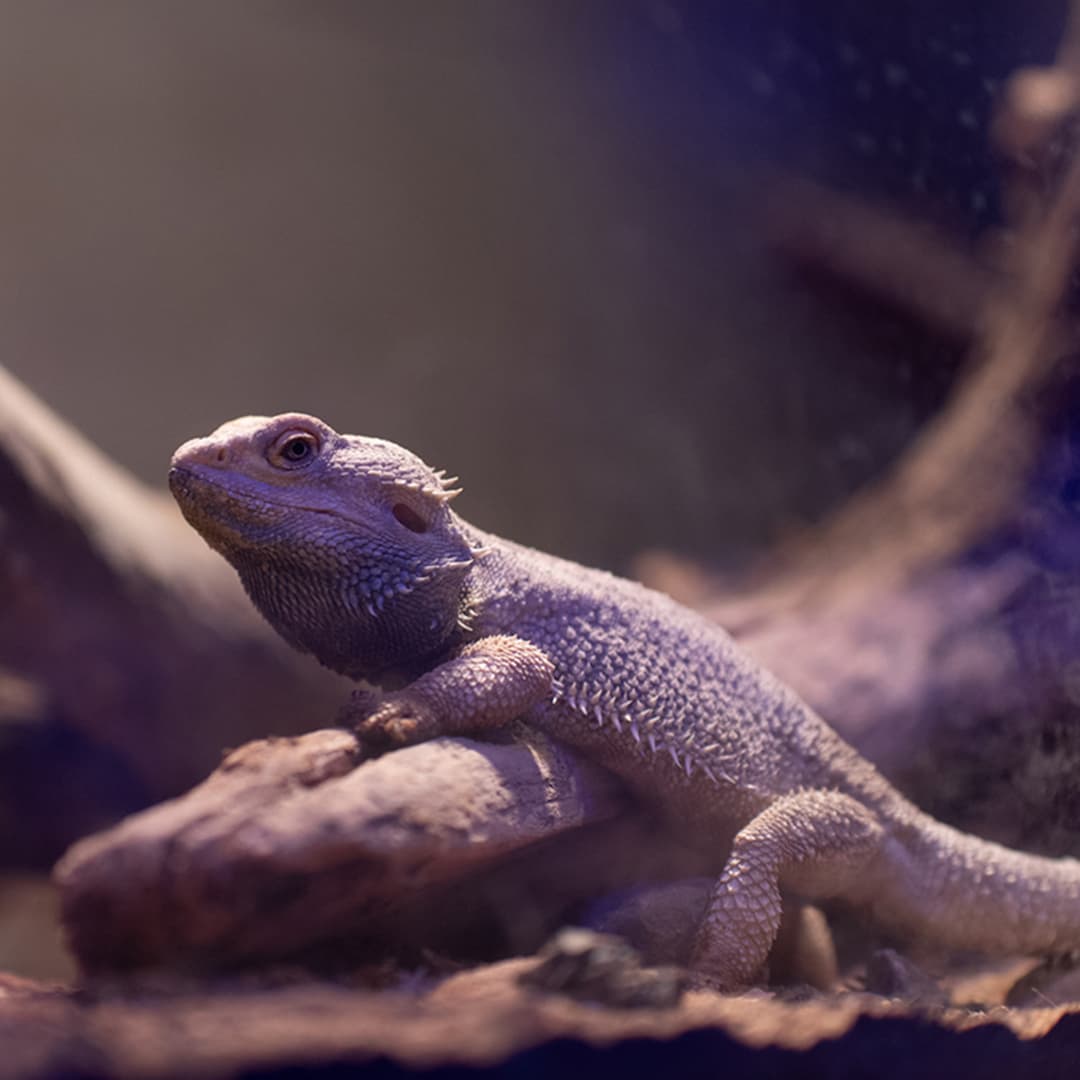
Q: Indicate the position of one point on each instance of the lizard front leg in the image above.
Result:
(817, 844)
(486, 685)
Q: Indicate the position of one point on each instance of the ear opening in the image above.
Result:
(408, 517)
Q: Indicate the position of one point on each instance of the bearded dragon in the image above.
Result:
(349, 546)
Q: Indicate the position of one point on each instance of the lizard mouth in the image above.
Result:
(193, 489)
(217, 512)
(205, 501)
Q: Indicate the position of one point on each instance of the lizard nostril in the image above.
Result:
(220, 455)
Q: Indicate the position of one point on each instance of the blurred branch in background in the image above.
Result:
(963, 474)
(129, 653)
(904, 617)
(917, 268)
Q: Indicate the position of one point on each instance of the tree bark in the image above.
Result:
(291, 845)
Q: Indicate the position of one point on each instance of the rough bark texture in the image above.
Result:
(291, 845)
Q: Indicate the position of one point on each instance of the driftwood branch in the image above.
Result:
(292, 844)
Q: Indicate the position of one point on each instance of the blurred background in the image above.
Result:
(522, 238)
(528, 239)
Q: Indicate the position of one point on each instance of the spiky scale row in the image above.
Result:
(590, 708)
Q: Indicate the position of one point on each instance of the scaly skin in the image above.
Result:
(349, 547)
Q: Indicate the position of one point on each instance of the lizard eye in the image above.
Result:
(409, 518)
(294, 448)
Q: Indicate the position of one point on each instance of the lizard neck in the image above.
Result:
(320, 611)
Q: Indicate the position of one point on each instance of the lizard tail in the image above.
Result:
(963, 892)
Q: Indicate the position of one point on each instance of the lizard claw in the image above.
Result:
(362, 703)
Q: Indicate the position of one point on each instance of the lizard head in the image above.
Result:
(346, 544)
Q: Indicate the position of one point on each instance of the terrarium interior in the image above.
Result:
(770, 307)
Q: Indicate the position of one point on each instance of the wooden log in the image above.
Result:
(292, 843)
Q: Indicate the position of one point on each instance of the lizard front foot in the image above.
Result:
(387, 721)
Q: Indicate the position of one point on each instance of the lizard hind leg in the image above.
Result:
(817, 844)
